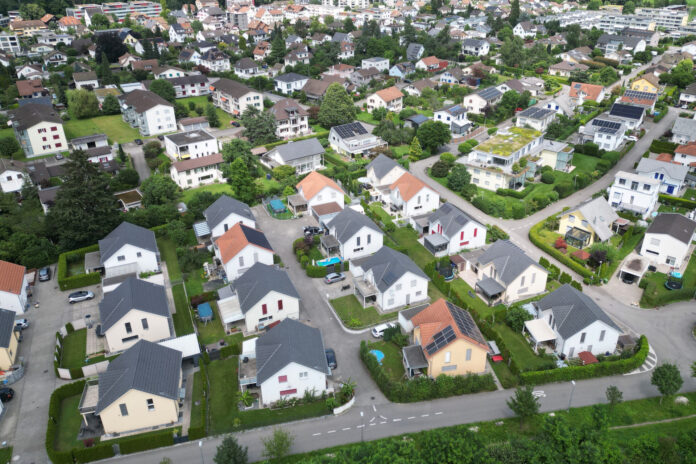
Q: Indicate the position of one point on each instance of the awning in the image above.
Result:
(490, 287)
(187, 344)
(230, 311)
(539, 330)
(414, 357)
(201, 229)
(435, 240)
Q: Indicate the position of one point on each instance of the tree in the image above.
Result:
(594, 4)
(85, 209)
(440, 169)
(126, 178)
(197, 26)
(415, 151)
(259, 126)
(230, 452)
(693, 369)
(110, 44)
(152, 149)
(30, 11)
(99, 21)
(164, 89)
(278, 49)
(348, 25)
(83, 103)
(104, 71)
(614, 395)
(110, 105)
(241, 181)
(158, 190)
(278, 445)
(283, 172)
(8, 146)
(459, 178)
(629, 8)
(516, 316)
(212, 116)
(337, 107)
(433, 134)
(523, 403)
(667, 379)
(514, 16)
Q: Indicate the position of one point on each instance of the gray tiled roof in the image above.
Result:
(573, 311)
(388, 266)
(194, 136)
(685, 126)
(7, 319)
(146, 367)
(288, 342)
(412, 51)
(223, 207)
(258, 281)
(535, 112)
(382, 165)
(143, 100)
(451, 218)
(599, 215)
(133, 293)
(127, 234)
(349, 222)
(29, 115)
(300, 149)
(491, 93)
(509, 260)
(675, 225)
(232, 88)
(291, 77)
(673, 170)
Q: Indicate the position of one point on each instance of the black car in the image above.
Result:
(138, 142)
(628, 278)
(313, 230)
(6, 394)
(44, 274)
(235, 124)
(99, 331)
(331, 358)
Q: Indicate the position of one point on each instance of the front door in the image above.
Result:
(408, 298)
(670, 189)
(589, 348)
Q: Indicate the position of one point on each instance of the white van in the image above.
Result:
(378, 330)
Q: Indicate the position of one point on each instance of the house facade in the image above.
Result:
(634, 192)
(390, 98)
(303, 155)
(292, 120)
(190, 145)
(353, 139)
(39, 130)
(357, 235)
(591, 221)
(240, 248)
(671, 176)
(195, 172)
(127, 249)
(9, 339)
(668, 239)
(234, 98)
(411, 197)
(458, 231)
(149, 112)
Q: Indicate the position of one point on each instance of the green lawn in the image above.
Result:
(657, 292)
(355, 316)
(74, 349)
(263, 184)
(381, 214)
(76, 267)
(473, 302)
(627, 246)
(520, 350)
(392, 362)
(408, 238)
(68, 425)
(211, 331)
(203, 102)
(182, 318)
(672, 209)
(667, 429)
(113, 126)
(194, 282)
(505, 376)
(168, 251)
(5, 455)
(196, 396)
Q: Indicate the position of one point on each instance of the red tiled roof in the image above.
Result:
(592, 91)
(688, 149)
(313, 183)
(587, 358)
(11, 277)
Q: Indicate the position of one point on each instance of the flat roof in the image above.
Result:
(505, 144)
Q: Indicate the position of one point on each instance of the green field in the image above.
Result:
(392, 363)
(202, 101)
(68, 424)
(353, 315)
(113, 126)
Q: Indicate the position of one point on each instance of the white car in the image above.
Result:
(378, 330)
(632, 138)
(21, 324)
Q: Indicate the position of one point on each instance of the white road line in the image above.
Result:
(359, 426)
(425, 415)
(383, 422)
(373, 419)
(331, 431)
(374, 408)
(412, 417)
(316, 434)
(373, 424)
(382, 417)
(345, 428)
(438, 413)
(396, 420)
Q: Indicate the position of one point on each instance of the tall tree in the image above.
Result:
(111, 44)
(432, 135)
(278, 49)
(164, 89)
(524, 404)
(104, 71)
(337, 107)
(159, 190)
(29, 11)
(85, 209)
(241, 181)
(230, 452)
(110, 105)
(212, 116)
(514, 12)
(83, 103)
(259, 126)
(667, 379)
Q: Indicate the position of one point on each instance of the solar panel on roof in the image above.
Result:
(389, 278)
(466, 324)
(626, 111)
(604, 123)
(440, 340)
(350, 130)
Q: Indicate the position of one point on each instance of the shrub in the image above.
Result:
(575, 284)
(316, 271)
(230, 350)
(662, 146)
(565, 278)
(544, 262)
(95, 453)
(495, 233)
(516, 193)
(469, 191)
(69, 328)
(440, 169)
(676, 201)
(203, 297)
(492, 130)
(145, 442)
(537, 240)
(547, 177)
(54, 405)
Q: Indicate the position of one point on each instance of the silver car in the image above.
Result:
(82, 295)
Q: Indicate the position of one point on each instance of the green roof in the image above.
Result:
(507, 144)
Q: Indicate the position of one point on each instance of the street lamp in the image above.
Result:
(200, 447)
(570, 400)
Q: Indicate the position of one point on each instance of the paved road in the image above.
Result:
(138, 157)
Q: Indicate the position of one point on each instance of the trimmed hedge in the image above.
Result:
(66, 282)
(676, 201)
(536, 240)
(660, 146)
(516, 194)
(54, 405)
(230, 350)
(95, 453)
(589, 371)
(317, 135)
(136, 444)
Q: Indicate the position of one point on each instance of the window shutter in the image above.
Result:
(475, 231)
(264, 309)
(280, 305)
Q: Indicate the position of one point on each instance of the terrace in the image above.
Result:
(510, 142)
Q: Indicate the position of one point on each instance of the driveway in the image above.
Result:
(138, 157)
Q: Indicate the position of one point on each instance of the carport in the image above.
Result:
(540, 331)
(414, 360)
(297, 203)
(635, 265)
(490, 288)
(330, 245)
(435, 243)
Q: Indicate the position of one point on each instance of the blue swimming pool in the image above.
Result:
(329, 261)
(379, 355)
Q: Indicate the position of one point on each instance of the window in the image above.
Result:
(468, 354)
(56, 137)
(357, 241)
(139, 254)
(646, 187)
(582, 337)
(533, 277)
(256, 257)
(264, 309)
(475, 231)
(129, 329)
(601, 335)
(622, 181)
(449, 368)
(241, 261)
(124, 409)
(145, 324)
(54, 128)
(634, 185)
(304, 375)
(571, 218)
(150, 404)
(369, 238)
(522, 281)
(282, 378)
(390, 302)
(414, 283)
(121, 258)
(655, 241)
(448, 356)
(280, 305)
(288, 392)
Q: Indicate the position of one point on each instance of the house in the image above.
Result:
(140, 390)
(475, 47)
(135, 310)
(191, 144)
(587, 223)
(671, 176)
(389, 280)
(247, 68)
(39, 130)
(409, 196)
(644, 100)
(479, 101)
(240, 247)
(286, 362)
(453, 76)
(178, 34)
(290, 82)
(636, 193)
(190, 86)
(416, 120)
(226, 212)
(9, 339)
(535, 117)
(580, 92)
(558, 105)
(607, 132)
(86, 80)
(198, 171)
(316, 189)
(686, 154)
(631, 115)
(215, 60)
(390, 98)
(96, 146)
(292, 120)
(454, 117)
(353, 139)
(31, 72)
(577, 55)
(13, 287)
(352, 235)
(446, 341)
(129, 249)
(566, 68)
(297, 55)
(688, 95)
(234, 97)
(167, 72)
(189, 55)
(144, 65)
(384, 171)
(526, 29)
(67, 22)
(380, 64)
(684, 131)
(451, 230)
(503, 273)
(646, 83)
(189, 124)
(28, 28)
(574, 323)
(557, 155)
(56, 58)
(414, 51)
(149, 112)
(431, 64)
(668, 240)
(341, 70)
(610, 43)
(364, 76)
(263, 295)
(32, 88)
(303, 155)
(402, 70)
(13, 176)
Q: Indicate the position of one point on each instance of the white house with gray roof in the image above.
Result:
(536, 118)
(577, 323)
(135, 310)
(129, 249)
(633, 192)
(479, 101)
(286, 362)
(191, 144)
(668, 239)
(226, 212)
(451, 230)
(147, 111)
(384, 171)
(304, 155)
(290, 82)
(672, 176)
(389, 279)
(352, 235)
(684, 131)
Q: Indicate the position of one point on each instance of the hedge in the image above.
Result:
(57, 397)
(317, 135)
(536, 240)
(589, 371)
(203, 297)
(95, 453)
(676, 201)
(660, 146)
(316, 271)
(230, 350)
(138, 443)
(66, 282)
(516, 194)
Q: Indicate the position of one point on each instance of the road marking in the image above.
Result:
(359, 426)
(331, 431)
(383, 422)
(438, 413)
(316, 434)
(345, 428)
(425, 415)
(396, 420)
(374, 408)
(373, 424)
(382, 417)
(539, 394)
(412, 417)
(372, 420)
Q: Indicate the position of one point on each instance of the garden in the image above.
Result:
(354, 316)
(655, 293)
(113, 126)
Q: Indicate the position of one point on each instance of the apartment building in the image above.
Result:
(234, 97)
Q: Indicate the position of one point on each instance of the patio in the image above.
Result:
(414, 360)
(541, 333)
(329, 245)
(366, 292)
(490, 289)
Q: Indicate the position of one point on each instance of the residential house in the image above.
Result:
(13, 287)
(67, 22)
(303, 155)
(167, 72)
(28, 28)
(234, 97)
(292, 120)
(129, 249)
(631, 115)
(86, 80)
(416, 120)
(262, 296)
(535, 117)
(558, 105)
(190, 86)
(135, 310)
(414, 51)
(390, 98)
(178, 34)
(31, 72)
(479, 101)
(566, 68)
(671, 176)
(684, 131)
(32, 88)
(636, 193)
(9, 43)
(454, 117)
(224, 213)
(288, 361)
(590, 222)
(453, 76)
(247, 68)
(446, 341)
(56, 58)
(527, 29)
(352, 235)
(415, 88)
(341, 70)
(198, 171)
(96, 146)
(290, 82)
(610, 43)
(577, 324)
(39, 130)
(607, 132)
(240, 248)
(145, 65)
(12, 175)
(389, 280)
(189, 124)
(364, 76)
(192, 144)
(580, 92)
(384, 171)
(316, 189)
(409, 196)
(688, 95)
(189, 55)
(475, 47)
(140, 390)
(402, 70)
(9, 339)
(557, 155)
(668, 240)
(450, 230)
(149, 112)
(644, 100)
(380, 64)
(346, 51)
(431, 64)
(646, 83)
(215, 60)
(686, 154)
(353, 139)
(299, 54)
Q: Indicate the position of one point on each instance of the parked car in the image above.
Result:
(313, 230)
(44, 274)
(331, 358)
(21, 324)
(334, 277)
(6, 394)
(59, 156)
(160, 138)
(138, 142)
(628, 278)
(82, 295)
(632, 138)
(234, 124)
(378, 330)
(99, 331)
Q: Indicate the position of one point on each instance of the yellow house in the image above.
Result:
(449, 340)
(590, 222)
(139, 390)
(646, 83)
(9, 339)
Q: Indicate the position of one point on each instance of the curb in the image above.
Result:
(340, 322)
